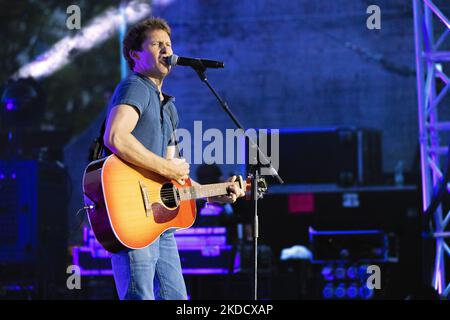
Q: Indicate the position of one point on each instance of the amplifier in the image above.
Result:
(349, 245)
(338, 155)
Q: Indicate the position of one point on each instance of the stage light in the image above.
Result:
(340, 291)
(352, 291)
(328, 291)
(362, 271)
(327, 273)
(365, 293)
(352, 272)
(9, 105)
(22, 103)
(340, 273)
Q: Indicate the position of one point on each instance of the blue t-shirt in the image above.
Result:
(157, 119)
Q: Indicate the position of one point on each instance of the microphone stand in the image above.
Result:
(258, 183)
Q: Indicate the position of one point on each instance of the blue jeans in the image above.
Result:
(154, 271)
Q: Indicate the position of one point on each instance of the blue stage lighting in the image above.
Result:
(328, 273)
(22, 103)
(10, 105)
(340, 272)
(362, 271)
(352, 291)
(352, 272)
(340, 291)
(365, 293)
(328, 291)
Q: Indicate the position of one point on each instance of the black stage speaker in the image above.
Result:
(33, 226)
(338, 155)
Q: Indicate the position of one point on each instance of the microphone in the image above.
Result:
(192, 62)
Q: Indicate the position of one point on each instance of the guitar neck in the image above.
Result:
(204, 191)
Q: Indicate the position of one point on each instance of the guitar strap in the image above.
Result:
(98, 149)
(173, 136)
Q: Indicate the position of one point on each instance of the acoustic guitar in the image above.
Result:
(129, 207)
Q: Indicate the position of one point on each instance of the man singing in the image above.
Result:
(140, 124)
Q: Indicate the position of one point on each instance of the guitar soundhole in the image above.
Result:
(169, 195)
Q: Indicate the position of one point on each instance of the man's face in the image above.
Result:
(149, 60)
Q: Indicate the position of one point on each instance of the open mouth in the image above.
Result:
(164, 61)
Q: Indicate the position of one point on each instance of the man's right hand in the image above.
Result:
(178, 169)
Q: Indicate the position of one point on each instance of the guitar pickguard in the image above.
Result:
(161, 214)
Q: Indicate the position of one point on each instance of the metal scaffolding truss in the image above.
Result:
(431, 58)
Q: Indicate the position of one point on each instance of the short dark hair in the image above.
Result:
(136, 36)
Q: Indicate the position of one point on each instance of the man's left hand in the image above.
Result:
(233, 193)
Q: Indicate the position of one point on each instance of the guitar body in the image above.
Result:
(132, 206)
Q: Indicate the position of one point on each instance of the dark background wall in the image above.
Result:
(300, 64)
(290, 64)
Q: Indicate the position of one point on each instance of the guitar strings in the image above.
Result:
(169, 194)
(162, 192)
